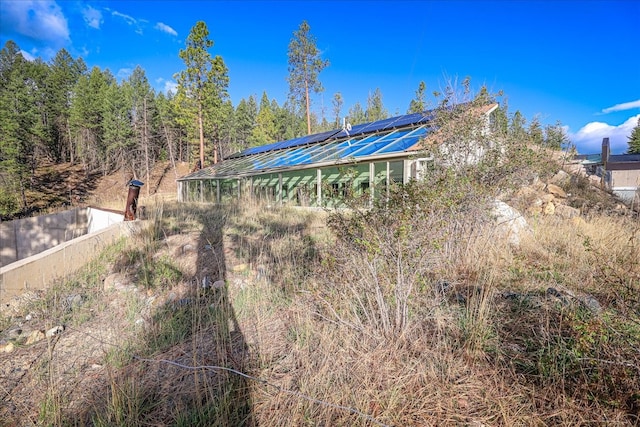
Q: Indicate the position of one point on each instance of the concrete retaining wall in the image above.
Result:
(22, 238)
(39, 271)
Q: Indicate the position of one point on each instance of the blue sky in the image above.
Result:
(573, 61)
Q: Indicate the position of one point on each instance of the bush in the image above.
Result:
(8, 204)
(397, 251)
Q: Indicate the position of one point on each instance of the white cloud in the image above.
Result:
(169, 85)
(136, 23)
(622, 107)
(92, 17)
(165, 29)
(124, 73)
(128, 19)
(588, 140)
(26, 55)
(38, 20)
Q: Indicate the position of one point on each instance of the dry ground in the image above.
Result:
(150, 334)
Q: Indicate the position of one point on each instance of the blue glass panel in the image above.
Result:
(308, 153)
(401, 145)
(326, 153)
(379, 143)
(352, 145)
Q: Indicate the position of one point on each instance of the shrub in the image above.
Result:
(401, 247)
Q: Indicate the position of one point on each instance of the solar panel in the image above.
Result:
(409, 119)
(360, 129)
(378, 125)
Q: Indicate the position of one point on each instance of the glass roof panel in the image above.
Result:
(393, 135)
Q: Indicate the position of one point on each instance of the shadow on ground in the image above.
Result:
(182, 369)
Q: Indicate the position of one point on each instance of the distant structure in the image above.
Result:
(619, 173)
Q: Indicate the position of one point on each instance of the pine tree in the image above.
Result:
(116, 127)
(64, 74)
(289, 124)
(375, 108)
(357, 114)
(418, 104)
(143, 112)
(18, 117)
(304, 66)
(265, 130)
(337, 102)
(245, 120)
(203, 85)
(86, 117)
(517, 129)
(555, 137)
(634, 140)
(535, 131)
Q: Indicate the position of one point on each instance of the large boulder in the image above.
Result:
(560, 178)
(567, 212)
(557, 191)
(510, 222)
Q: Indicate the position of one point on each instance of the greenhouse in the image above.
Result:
(321, 170)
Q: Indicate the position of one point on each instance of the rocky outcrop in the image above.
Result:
(510, 222)
(547, 198)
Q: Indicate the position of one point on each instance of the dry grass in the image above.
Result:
(291, 338)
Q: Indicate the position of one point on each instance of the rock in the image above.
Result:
(567, 212)
(28, 317)
(537, 184)
(534, 210)
(560, 178)
(556, 191)
(187, 248)
(553, 292)
(7, 348)
(510, 222)
(54, 331)
(549, 209)
(567, 298)
(113, 281)
(526, 193)
(34, 337)
(547, 198)
(117, 282)
(14, 333)
(218, 284)
(591, 303)
(74, 301)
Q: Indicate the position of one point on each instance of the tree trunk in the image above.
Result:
(306, 88)
(168, 137)
(146, 144)
(201, 129)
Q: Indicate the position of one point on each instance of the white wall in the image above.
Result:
(26, 237)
